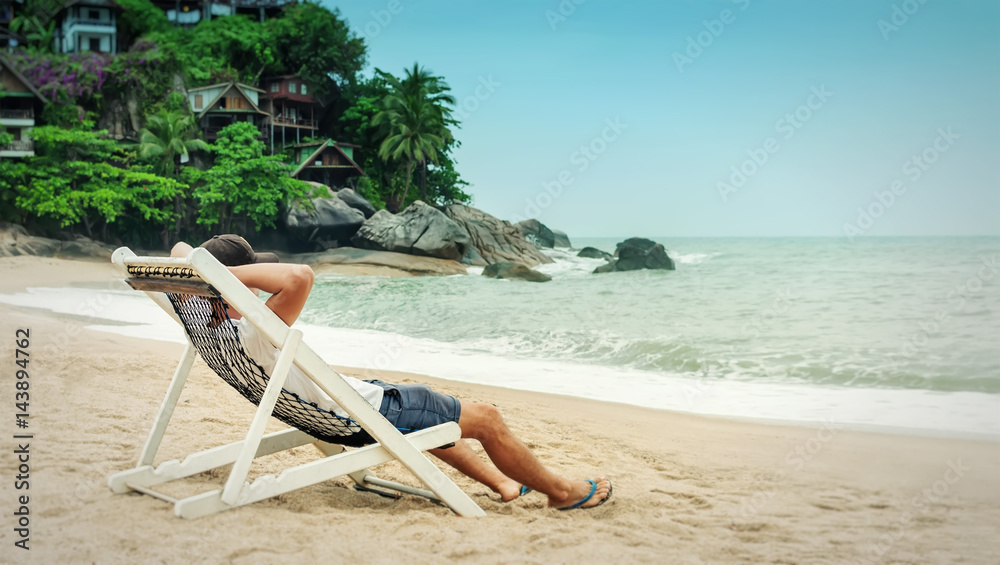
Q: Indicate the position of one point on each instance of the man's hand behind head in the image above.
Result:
(289, 285)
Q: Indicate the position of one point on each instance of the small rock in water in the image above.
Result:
(507, 270)
(594, 253)
(637, 253)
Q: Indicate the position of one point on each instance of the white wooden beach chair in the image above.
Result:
(191, 290)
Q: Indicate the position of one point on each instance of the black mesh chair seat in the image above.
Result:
(217, 340)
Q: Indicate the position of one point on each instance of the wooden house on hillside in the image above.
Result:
(326, 162)
(293, 112)
(220, 105)
(19, 102)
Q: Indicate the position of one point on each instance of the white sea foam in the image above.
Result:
(969, 414)
(690, 258)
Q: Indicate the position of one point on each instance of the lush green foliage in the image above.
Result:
(169, 136)
(78, 176)
(244, 185)
(316, 44)
(415, 119)
(139, 188)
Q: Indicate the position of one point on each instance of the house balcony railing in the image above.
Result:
(96, 23)
(283, 121)
(19, 145)
(17, 114)
(213, 132)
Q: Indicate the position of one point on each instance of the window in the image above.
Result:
(236, 103)
(275, 87)
(17, 134)
(291, 87)
(94, 15)
(303, 88)
(198, 102)
(94, 44)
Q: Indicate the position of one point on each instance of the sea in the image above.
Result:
(899, 335)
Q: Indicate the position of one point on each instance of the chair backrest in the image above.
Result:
(202, 312)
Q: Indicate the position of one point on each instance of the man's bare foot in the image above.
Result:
(508, 490)
(585, 494)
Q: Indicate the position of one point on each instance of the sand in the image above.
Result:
(687, 489)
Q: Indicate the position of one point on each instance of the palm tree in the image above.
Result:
(416, 117)
(167, 137)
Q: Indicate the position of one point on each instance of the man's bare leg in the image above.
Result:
(484, 423)
(463, 458)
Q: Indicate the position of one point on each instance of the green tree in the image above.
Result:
(318, 45)
(244, 185)
(420, 83)
(415, 118)
(34, 21)
(79, 177)
(168, 138)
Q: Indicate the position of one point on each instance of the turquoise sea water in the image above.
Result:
(896, 334)
(896, 313)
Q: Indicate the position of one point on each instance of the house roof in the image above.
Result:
(320, 147)
(217, 85)
(225, 91)
(20, 77)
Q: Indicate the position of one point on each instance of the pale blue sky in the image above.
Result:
(688, 117)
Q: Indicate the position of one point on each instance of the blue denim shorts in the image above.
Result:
(415, 406)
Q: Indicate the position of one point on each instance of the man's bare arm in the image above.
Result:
(288, 283)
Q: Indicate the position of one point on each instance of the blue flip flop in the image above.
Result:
(524, 490)
(593, 489)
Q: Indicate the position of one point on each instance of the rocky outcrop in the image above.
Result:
(331, 221)
(638, 253)
(417, 230)
(381, 262)
(514, 271)
(15, 241)
(594, 253)
(494, 240)
(356, 201)
(561, 239)
(538, 233)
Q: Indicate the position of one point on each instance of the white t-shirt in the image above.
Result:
(266, 355)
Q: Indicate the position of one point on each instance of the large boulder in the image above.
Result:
(508, 270)
(15, 241)
(536, 232)
(369, 262)
(594, 253)
(356, 201)
(331, 221)
(494, 240)
(417, 230)
(638, 253)
(561, 239)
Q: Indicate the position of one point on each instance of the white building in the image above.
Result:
(88, 25)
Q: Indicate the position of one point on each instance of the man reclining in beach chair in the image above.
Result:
(407, 407)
